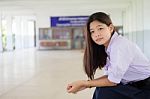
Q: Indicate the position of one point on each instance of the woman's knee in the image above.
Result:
(101, 92)
(108, 93)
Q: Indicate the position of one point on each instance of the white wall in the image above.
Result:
(147, 27)
(146, 14)
(136, 24)
(43, 20)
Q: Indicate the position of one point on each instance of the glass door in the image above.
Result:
(78, 38)
(4, 33)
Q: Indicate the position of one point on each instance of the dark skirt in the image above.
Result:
(128, 91)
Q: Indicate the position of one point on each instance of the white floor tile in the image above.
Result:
(33, 74)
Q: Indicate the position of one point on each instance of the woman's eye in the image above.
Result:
(91, 32)
(100, 28)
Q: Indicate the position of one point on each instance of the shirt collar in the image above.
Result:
(115, 35)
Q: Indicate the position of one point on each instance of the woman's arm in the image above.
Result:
(83, 84)
(100, 82)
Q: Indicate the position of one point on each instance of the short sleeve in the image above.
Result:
(120, 59)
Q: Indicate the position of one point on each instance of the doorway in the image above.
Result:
(78, 38)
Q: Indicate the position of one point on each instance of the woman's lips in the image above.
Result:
(99, 39)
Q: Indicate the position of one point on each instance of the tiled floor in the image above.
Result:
(33, 74)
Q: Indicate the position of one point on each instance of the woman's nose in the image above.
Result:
(97, 34)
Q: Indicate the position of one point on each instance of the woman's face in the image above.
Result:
(101, 33)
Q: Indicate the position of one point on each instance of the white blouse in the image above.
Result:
(125, 61)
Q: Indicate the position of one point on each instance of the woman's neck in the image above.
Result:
(107, 43)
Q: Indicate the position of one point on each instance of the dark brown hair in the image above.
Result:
(94, 55)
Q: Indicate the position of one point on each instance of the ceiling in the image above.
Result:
(64, 3)
(63, 6)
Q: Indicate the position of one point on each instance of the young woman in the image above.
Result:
(126, 69)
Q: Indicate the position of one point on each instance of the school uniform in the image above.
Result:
(128, 67)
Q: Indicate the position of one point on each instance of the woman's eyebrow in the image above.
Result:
(91, 29)
(97, 26)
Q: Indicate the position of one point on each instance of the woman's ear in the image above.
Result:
(111, 27)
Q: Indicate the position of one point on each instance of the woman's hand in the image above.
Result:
(77, 86)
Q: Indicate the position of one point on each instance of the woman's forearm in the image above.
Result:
(100, 82)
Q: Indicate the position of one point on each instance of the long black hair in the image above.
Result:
(94, 55)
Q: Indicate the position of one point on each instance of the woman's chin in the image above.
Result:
(98, 43)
